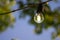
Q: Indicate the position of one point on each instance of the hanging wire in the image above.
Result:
(21, 9)
(12, 11)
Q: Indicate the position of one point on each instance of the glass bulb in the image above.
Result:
(39, 18)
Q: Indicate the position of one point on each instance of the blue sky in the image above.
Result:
(24, 31)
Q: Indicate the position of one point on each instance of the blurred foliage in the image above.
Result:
(8, 19)
(52, 18)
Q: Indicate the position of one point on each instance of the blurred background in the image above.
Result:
(20, 25)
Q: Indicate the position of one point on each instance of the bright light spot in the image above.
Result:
(39, 18)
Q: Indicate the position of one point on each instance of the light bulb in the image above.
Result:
(38, 18)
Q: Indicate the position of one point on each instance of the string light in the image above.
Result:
(39, 18)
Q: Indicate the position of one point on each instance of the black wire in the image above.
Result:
(24, 8)
(12, 11)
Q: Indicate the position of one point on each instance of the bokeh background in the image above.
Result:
(20, 25)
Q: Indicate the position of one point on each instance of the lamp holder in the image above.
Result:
(40, 6)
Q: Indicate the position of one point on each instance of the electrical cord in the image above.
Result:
(20, 9)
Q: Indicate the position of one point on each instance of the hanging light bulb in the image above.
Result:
(38, 18)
